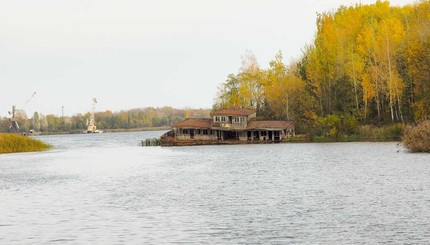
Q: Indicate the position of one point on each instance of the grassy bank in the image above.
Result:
(365, 133)
(10, 143)
(392, 132)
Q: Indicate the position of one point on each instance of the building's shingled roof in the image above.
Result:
(269, 125)
(195, 123)
(233, 112)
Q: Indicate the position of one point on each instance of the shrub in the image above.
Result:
(334, 127)
(417, 139)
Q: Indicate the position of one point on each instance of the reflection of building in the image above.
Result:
(227, 126)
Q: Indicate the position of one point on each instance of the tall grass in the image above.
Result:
(392, 132)
(10, 143)
(417, 139)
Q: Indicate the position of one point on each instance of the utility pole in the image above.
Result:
(63, 120)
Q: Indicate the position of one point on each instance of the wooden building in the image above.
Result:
(227, 126)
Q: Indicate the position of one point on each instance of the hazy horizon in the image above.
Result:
(141, 54)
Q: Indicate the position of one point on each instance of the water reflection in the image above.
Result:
(106, 189)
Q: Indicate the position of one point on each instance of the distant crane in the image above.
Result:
(13, 119)
(91, 125)
(28, 101)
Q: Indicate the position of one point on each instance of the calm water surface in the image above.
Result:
(105, 189)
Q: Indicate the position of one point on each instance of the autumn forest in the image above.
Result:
(368, 64)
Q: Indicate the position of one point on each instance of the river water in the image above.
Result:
(106, 189)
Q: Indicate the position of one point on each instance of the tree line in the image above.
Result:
(136, 118)
(368, 64)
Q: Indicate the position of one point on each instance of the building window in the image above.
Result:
(205, 132)
(263, 133)
(222, 119)
(216, 119)
(239, 119)
(198, 131)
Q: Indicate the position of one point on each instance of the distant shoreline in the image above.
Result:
(117, 130)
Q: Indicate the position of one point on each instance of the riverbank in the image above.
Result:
(364, 133)
(117, 130)
(294, 139)
(12, 143)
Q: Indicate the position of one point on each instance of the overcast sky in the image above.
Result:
(131, 54)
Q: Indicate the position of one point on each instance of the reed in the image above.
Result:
(391, 132)
(11, 143)
(417, 139)
(365, 133)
